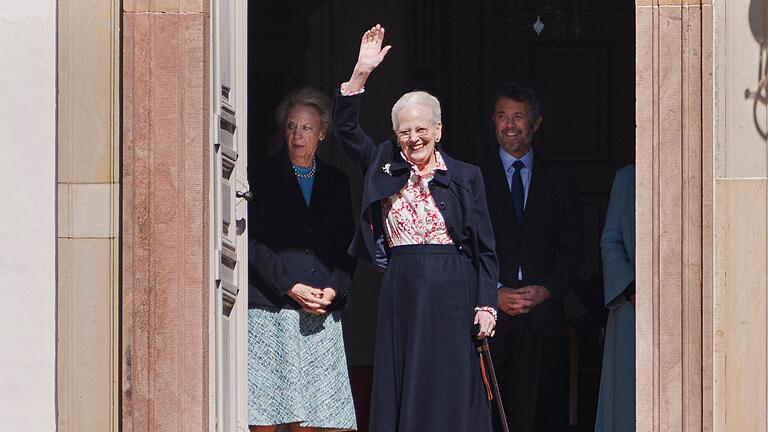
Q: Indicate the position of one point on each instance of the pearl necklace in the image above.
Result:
(308, 175)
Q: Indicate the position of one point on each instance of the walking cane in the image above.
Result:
(489, 375)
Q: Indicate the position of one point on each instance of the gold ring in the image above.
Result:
(492, 333)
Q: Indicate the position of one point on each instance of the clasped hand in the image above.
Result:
(522, 300)
(312, 300)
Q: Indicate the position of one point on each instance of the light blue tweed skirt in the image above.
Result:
(297, 370)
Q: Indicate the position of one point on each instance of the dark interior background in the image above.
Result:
(461, 51)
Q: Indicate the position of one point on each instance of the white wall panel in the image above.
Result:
(27, 215)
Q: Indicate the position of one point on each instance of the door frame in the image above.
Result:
(675, 195)
(228, 357)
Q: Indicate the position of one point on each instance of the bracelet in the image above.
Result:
(344, 92)
(488, 309)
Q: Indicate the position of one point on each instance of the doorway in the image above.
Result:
(583, 62)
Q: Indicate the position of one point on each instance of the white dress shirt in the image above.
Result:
(525, 173)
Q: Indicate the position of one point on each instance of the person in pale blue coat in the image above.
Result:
(616, 408)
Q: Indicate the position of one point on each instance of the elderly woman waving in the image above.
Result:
(424, 218)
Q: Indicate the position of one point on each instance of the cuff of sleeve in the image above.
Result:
(282, 287)
(552, 287)
(488, 309)
(345, 92)
(629, 291)
(339, 300)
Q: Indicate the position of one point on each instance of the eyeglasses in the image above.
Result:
(405, 135)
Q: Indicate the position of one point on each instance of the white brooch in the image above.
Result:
(385, 169)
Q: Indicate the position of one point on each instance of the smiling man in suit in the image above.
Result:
(536, 217)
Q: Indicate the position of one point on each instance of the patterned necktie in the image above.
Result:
(518, 194)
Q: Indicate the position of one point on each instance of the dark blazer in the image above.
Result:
(549, 244)
(290, 242)
(458, 192)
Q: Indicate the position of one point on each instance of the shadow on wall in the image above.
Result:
(759, 96)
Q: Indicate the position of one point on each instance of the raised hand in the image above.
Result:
(371, 54)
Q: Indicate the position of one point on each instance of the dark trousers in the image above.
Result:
(532, 371)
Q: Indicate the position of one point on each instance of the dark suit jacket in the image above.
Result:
(458, 192)
(290, 242)
(549, 244)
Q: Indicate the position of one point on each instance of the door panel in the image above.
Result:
(229, 292)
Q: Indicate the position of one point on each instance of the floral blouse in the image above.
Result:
(411, 215)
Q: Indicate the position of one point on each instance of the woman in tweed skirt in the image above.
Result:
(299, 274)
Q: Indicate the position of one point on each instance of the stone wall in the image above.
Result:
(88, 215)
(28, 215)
(740, 217)
(702, 215)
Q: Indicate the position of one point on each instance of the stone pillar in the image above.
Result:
(741, 217)
(674, 214)
(165, 215)
(88, 215)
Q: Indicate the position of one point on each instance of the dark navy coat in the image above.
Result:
(459, 193)
(291, 242)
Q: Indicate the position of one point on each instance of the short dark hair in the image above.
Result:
(519, 91)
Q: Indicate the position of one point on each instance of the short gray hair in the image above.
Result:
(305, 96)
(421, 98)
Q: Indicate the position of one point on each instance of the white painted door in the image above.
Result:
(229, 305)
